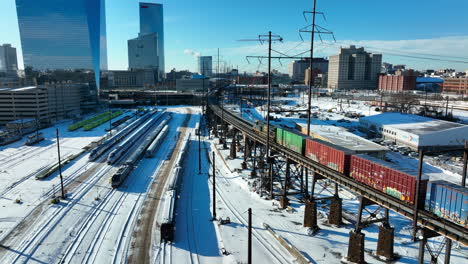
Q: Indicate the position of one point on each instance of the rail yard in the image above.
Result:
(174, 185)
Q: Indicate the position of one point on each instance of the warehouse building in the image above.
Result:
(414, 131)
(341, 137)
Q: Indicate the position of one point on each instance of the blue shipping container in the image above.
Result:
(448, 201)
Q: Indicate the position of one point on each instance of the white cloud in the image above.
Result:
(446, 52)
(191, 53)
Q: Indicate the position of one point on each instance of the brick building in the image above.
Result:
(396, 83)
(455, 85)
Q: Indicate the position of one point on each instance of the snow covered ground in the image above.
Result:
(20, 164)
(330, 245)
(443, 167)
(94, 224)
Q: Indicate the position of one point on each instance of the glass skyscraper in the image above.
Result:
(151, 21)
(58, 34)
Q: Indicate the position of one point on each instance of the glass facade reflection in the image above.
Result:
(151, 21)
(58, 34)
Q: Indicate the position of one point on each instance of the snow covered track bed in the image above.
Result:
(142, 239)
(260, 235)
(95, 223)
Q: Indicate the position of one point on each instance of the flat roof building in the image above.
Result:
(354, 69)
(8, 59)
(396, 83)
(341, 137)
(297, 68)
(205, 66)
(416, 132)
(47, 103)
(192, 85)
(456, 85)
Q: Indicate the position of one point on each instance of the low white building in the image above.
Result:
(416, 132)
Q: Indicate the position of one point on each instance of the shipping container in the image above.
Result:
(449, 201)
(290, 140)
(330, 155)
(366, 172)
(387, 177)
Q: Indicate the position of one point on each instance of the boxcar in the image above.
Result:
(387, 177)
(291, 140)
(447, 200)
(330, 155)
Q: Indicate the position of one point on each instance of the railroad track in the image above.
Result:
(81, 183)
(263, 241)
(29, 245)
(430, 221)
(99, 224)
(143, 235)
(20, 156)
(193, 249)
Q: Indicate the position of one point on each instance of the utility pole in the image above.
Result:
(249, 249)
(59, 162)
(320, 30)
(199, 148)
(110, 120)
(268, 38)
(465, 158)
(416, 197)
(214, 188)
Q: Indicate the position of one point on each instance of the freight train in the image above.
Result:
(126, 168)
(441, 198)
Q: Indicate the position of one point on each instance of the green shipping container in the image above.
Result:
(290, 140)
(279, 136)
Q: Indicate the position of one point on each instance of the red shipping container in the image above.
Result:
(327, 154)
(387, 177)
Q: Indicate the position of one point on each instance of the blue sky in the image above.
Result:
(200, 27)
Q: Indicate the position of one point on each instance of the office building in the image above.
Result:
(297, 68)
(354, 69)
(132, 79)
(143, 52)
(205, 66)
(456, 86)
(8, 59)
(63, 35)
(147, 50)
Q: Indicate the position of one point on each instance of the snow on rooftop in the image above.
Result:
(411, 123)
(341, 137)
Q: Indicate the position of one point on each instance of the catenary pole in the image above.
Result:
(60, 162)
(214, 188)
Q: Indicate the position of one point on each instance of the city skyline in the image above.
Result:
(389, 35)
